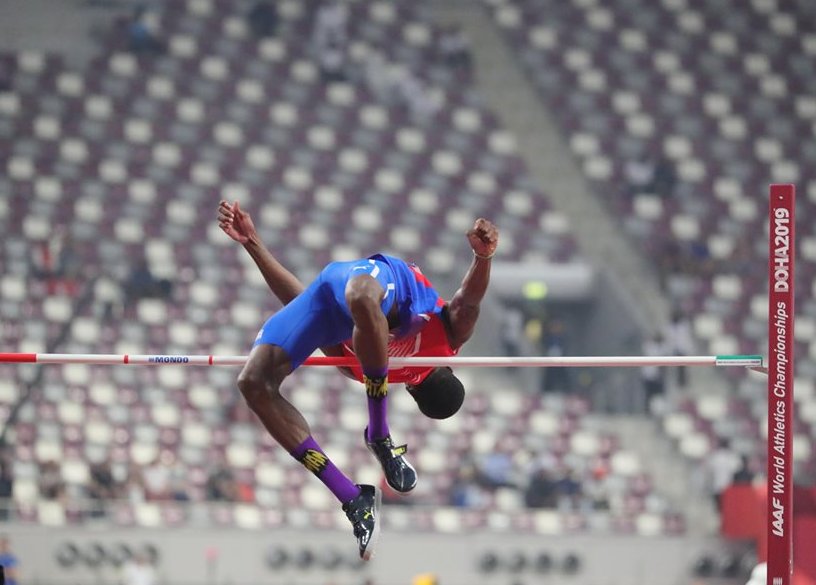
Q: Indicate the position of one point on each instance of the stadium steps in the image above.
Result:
(548, 159)
(674, 477)
(508, 91)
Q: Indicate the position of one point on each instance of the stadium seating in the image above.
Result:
(628, 83)
(86, 414)
(133, 154)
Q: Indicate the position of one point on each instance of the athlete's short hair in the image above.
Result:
(440, 395)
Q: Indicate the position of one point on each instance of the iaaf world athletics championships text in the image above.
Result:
(781, 324)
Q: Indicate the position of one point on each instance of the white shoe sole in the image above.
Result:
(368, 554)
(410, 489)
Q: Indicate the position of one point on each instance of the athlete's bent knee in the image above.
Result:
(252, 387)
(258, 389)
(262, 375)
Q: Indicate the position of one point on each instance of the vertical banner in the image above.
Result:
(780, 385)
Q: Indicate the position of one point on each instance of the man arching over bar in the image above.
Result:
(370, 308)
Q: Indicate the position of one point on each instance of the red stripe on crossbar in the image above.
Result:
(19, 358)
(345, 362)
(330, 361)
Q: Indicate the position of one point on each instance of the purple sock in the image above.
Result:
(376, 383)
(377, 418)
(314, 459)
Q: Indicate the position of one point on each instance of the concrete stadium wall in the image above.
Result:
(237, 557)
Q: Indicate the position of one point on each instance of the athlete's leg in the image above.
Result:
(284, 342)
(259, 383)
(365, 295)
(313, 319)
(365, 291)
(370, 338)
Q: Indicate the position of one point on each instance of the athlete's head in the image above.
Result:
(440, 395)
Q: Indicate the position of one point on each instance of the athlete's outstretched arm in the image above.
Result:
(238, 225)
(464, 306)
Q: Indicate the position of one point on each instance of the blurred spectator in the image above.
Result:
(142, 284)
(139, 571)
(5, 76)
(142, 32)
(640, 174)
(742, 261)
(555, 345)
(6, 488)
(246, 490)
(56, 262)
(495, 470)
(455, 49)
(52, 486)
(721, 466)
(698, 260)
(178, 486)
(568, 490)
(108, 298)
(397, 84)
(9, 562)
(416, 95)
(665, 178)
(157, 477)
(670, 262)
(680, 341)
(690, 260)
(543, 460)
(652, 176)
(541, 490)
(379, 76)
(102, 484)
(512, 330)
(102, 487)
(330, 40)
(745, 474)
(465, 492)
(221, 485)
(596, 488)
(534, 331)
(134, 486)
(759, 575)
(332, 60)
(653, 377)
(262, 19)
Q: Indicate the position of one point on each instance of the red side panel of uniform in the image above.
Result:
(430, 341)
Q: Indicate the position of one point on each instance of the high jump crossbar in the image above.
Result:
(748, 361)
